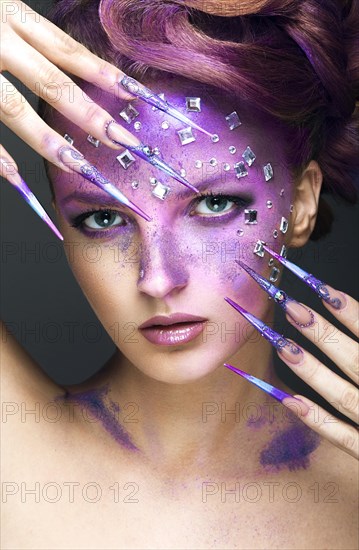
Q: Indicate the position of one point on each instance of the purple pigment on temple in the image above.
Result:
(94, 402)
(291, 448)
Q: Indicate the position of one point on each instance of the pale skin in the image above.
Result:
(180, 452)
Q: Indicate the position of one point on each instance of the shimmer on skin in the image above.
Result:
(94, 402)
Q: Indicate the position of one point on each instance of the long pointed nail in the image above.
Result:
(77, 162)
(144, 93)
(145, 152)
(16, 181)
(265, 386)
(291, 352)
(324, 291)
(301, 316)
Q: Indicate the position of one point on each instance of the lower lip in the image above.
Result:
(172, 335)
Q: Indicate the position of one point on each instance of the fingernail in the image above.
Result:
(76, 161)
(13, 177)
(265, 386)
(146, 153)
(326, 293)
(292, 352)
(144, 93)
(300, 315)
(296, 405)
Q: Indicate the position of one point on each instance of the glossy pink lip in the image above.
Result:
(174, 334)
(164, 320)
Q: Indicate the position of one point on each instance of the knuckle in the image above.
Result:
(93, 115)
(49, 74)
(68, 46)
(348, 441)
(350, 400)
(13, 105)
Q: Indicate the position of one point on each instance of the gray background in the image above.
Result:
(43, 304)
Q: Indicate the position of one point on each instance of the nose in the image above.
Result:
(163, 269)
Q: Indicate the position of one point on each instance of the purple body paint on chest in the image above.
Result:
(93, 401)
(290, 448)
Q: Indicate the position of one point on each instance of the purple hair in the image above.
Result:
(296, 60)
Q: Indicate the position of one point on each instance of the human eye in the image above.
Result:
(217, 204)
(94, 222)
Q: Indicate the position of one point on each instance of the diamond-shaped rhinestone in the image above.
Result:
(283, 251)
(95, 142)
(268, 171)
(249, 156)
(240, 169)
(271, 262)
(275, 233)
(269, 204)
(250, 216)
(274, 274)
(129, 114)
(283, 225)
(233, 120)
(186, 136)
(279, 295)
(258, 249)
(69, 139)
(193, 104)
(135, 184)
(126, 159)
(232, 149)
(160, 191)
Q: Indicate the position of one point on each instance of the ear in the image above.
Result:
(305, 204)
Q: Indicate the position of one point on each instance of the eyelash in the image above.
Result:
(240, 203)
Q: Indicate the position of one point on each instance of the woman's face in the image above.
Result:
(183, 260)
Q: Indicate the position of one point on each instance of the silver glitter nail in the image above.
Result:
(269, 204)
(258, 248)
(129, 114)
(274, 274)
(126, 159)
(240, 169)
(186, 136)
(268, 171)
(283, 225)
(232, 149)
(69, 139)
(193, 104)
(95, 142)
(249, 156)
(233, 120)
(160, 191)
(250, 216)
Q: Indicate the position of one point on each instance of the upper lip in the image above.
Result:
(171, 319)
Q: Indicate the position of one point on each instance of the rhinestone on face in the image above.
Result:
(282, 193)
(226, 167)
(193, 104)
(69, 139)
(213, 162)
(271, 262)
(268, 171)
(233, 120)
(137, 125)
(250, 216)
(165, 125)
(183, 172)
(153, 181)
(95, 142)
(126, 159)
(269, 204)
(162, 96)
(280, 296)
(160, 191)
(215, 138)
(240, 169)
(258, 249)
(198, 164)
(274, 274)
(275, 233)
(291, 208)
(232, 149)
(240, 232)
(283, 225)
(283, 251)
(186, 136)
(135, 184)
(249, 156)
(129, 114)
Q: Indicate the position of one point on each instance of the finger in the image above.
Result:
(67, 53)
(339, 433)
(339, 347)
(63, 94)
(348, 315)
(337, 391)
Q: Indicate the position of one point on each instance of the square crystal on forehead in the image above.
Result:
(249, 156)
(250, 216)
(69, 139)
(274, 274)
(283, 225)
(233, 120)
(193, 104)
(258, 249)
(240, 169)
(160, 191)
(129, 114)
(186, 136)
(95, 142)
(126, 159)
(268, 171)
